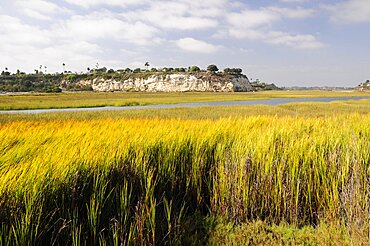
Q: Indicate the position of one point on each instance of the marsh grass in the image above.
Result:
(96, 99)
(119, 181)
(212, 113)
(261, 233)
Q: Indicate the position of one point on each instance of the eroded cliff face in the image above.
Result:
(178, 82)
(364, 86)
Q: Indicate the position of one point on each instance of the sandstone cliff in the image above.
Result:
(364, 86)
(159, 82)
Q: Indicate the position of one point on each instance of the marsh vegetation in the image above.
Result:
(95, 99)
(296, 173)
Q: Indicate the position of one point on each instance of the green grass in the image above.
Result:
(93, 99)
(261, 233)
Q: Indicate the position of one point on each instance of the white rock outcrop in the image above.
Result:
(364, 86)
(178, 82)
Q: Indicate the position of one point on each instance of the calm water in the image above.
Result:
(271, 102)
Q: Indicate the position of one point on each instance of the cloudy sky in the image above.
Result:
(288, 42)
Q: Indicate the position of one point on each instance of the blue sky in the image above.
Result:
(288, 42)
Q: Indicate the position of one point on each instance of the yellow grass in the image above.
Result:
(292, 109)
(303, 171)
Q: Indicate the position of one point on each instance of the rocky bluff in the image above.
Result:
(162, 82)
(364, 86)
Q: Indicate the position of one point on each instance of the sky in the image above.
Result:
(286, 42)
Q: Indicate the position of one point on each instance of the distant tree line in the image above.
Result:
(192, 69)
(29, 82)
(262, 86)
(233, 70)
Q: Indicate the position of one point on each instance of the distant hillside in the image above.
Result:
(315, 88)
(364, 86)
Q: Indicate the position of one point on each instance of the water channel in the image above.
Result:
(271, 102)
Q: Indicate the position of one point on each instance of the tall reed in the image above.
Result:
(147, 181)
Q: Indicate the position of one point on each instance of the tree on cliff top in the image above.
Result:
(233, 70)
(212, 68)
(194, 69)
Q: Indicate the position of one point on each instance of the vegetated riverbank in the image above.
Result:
(74, 178)
(90, 99)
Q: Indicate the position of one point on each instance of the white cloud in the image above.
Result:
(258, 25)
(166, 20)
(350, 11)
(178, 15)
(36, 15)
(263, 16)
(39, 9)
(74, 40)
(252, 18)
(298, 41)
(293, 13)
(246, 33)
(74, 54)
(205, 8)
(26, 47)
(13, 31)
(132, 28)
(295, 41)
(94, 3)
(106, 25)
(198, 46)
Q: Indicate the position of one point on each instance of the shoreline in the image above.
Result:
(271, 102)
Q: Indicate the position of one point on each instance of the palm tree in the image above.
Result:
(147, 65)
(64, 67)
(6, 72)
